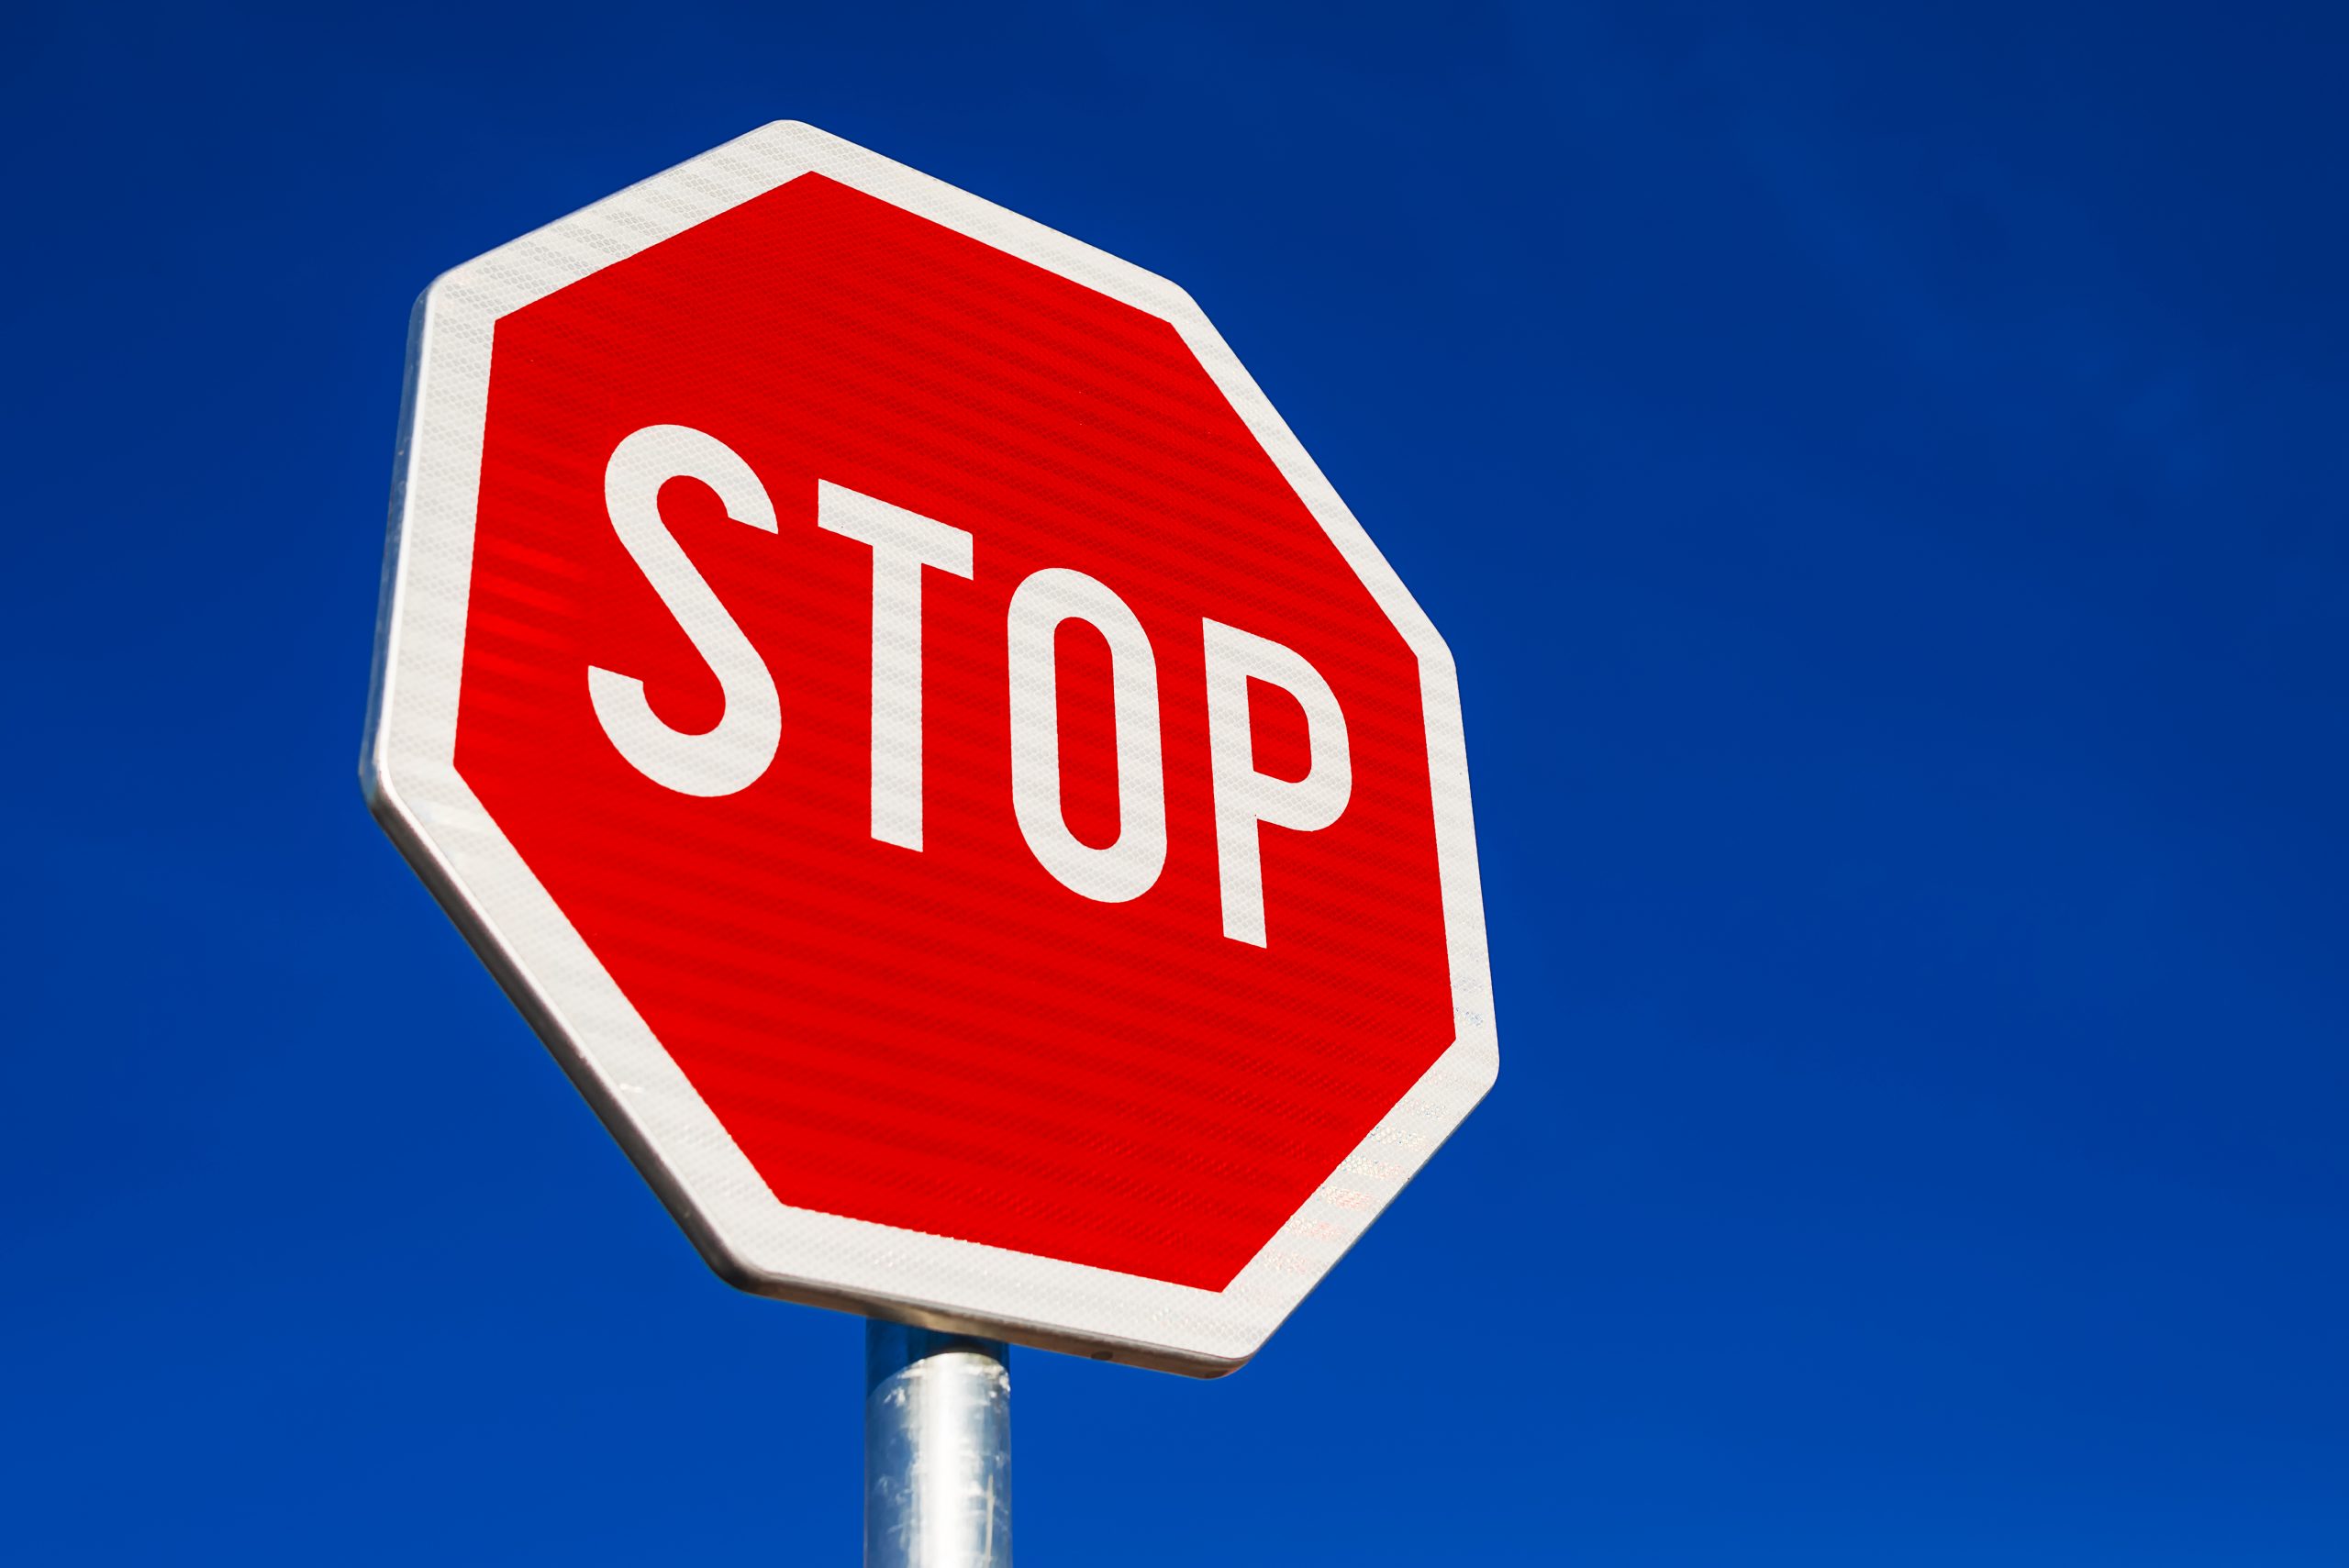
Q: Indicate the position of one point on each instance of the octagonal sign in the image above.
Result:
(932, 755)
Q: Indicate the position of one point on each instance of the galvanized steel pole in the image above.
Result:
(937, 1449)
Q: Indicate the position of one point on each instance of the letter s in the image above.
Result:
(732, 754)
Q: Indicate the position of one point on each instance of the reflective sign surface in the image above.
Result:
(933, 757)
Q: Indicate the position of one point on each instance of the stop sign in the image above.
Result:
(935, 760)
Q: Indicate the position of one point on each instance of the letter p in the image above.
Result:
(1245, 798)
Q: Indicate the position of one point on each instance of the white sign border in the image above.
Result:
(408, 770)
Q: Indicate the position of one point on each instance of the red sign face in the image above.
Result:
(955, 740)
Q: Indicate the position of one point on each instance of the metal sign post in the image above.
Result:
(937, 1449)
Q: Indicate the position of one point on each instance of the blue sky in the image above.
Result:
(1881, 471)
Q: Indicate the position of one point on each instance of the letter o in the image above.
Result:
(1127, 868)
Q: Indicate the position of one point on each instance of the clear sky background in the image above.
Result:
(1882, 469)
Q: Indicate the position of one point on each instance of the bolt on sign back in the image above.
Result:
(932, 755)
